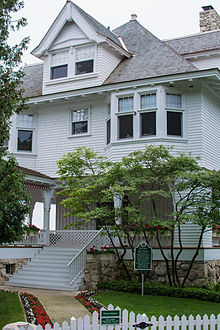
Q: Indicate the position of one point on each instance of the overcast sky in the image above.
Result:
(165, 18)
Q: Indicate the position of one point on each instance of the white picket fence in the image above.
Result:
(129, 319)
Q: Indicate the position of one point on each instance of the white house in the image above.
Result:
(118, 91)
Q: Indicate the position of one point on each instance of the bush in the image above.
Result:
(157, 289)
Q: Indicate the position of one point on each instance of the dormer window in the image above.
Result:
(59, 65)
(59, 71)
(84, 60)
(72, 62)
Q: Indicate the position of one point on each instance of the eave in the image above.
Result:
(215, 73)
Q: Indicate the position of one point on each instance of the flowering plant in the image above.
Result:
(216, 229)
(84, 297)
(28, 229)
(35, 312)
(103, 250)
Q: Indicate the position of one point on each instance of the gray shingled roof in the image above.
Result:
(152, 57)
(33, 80)
(98, 27)
(196, 43)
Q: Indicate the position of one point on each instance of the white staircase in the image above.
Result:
(48, 270)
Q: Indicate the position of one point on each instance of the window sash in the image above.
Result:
(125, 104)
(174, 123)
(108, 131)
(25, 121)
(84, 67)
(173, 101)
(148, 101)
(80, 127)
(60, 71)
(125, 126)
(148, 123)
(25, 139)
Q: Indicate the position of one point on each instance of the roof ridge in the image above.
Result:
(147, 32)
(90, 19)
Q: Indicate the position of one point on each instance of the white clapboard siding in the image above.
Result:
(211, 132)
(106, 62)
(129, 319)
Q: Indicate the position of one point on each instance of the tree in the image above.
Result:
(13, 207)
(142, 182)
(12, 98)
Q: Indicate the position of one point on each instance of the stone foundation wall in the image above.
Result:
(10, 266)
(106, 268)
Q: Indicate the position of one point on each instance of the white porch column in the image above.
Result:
(48, 194)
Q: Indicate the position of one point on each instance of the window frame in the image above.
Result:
(71, 61)
(88, 108)
(175, 110)
(20, 127)
(151, 109)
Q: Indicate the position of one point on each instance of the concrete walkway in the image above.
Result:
(59, 305)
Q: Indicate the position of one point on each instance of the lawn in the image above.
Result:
(157, 305)
(10, 308)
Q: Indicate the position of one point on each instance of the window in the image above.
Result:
(25, 133)
(148, 101)
(108, 131)
(59, 65)
(173, 101)
(174, 123)
(125, 126)
(80, 121)
(148, 119)
(148, 123)
(125, 104)
(84, 61)
(25, 140)
(59, 72)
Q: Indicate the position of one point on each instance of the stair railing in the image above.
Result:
(77, 264)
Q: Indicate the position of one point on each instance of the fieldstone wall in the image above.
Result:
(10, 266)
(209, 20)
(106, 268)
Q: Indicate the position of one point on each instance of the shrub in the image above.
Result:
(158, 289)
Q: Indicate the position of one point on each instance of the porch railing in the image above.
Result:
(77, 264)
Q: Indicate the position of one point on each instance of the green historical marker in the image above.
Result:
(110, 317)
(143, 260)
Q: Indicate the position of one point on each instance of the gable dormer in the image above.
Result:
(77, 51)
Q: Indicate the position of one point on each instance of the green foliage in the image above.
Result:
(140, 184)
(158, 289)
(12, 99)
(14, 201)
(13, 206)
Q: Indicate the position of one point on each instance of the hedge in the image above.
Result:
(158, 289)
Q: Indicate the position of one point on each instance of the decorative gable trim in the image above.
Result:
(70, 13)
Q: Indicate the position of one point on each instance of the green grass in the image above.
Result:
(10, 308)
(157, 305)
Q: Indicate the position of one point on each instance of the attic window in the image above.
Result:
(59, 71)
(84, 62)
